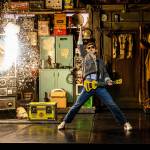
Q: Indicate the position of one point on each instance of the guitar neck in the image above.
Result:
(113, 82)
(101, 83)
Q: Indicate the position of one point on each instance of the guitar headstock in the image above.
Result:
(118, 81)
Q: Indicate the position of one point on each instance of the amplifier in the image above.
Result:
(7, 103)
(8, 86)
(12, 91)
(42, 111)
(8, 82)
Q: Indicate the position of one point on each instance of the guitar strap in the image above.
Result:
(98, 71)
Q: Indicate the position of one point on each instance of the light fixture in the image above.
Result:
(10, 45)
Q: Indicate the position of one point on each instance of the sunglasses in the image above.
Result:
(89, 47)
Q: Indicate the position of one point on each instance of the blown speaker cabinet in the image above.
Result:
(42, 111)
(7, 103)
(8, 89)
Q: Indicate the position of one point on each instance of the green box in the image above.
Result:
(88, 103)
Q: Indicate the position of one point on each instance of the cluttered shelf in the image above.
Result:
(46, 11)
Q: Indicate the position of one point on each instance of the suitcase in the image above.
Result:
(42, 111)
(60, 97)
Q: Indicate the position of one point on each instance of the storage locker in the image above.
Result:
(64, 50)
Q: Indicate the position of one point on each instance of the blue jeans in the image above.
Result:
(105, 98)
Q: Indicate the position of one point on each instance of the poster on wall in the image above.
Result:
(32, 36)
(43, 28)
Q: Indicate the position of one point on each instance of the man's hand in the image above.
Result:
(109, 82)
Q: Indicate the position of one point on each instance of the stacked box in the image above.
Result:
(42, 111)
(19, 6)
(36, 5)
(89, 102)
(68, 4)
(53, 4)
(60, 24)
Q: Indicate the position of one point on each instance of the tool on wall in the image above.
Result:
(122, 46)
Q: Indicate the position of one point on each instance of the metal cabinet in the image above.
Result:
(59, 48)
(47, 48)
(64, 50)
(54, 79)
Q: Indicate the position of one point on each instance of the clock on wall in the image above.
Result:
(104, 17)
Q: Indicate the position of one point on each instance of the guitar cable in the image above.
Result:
(92, 127)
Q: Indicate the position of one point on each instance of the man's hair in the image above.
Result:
(145, 43)
(90, 43)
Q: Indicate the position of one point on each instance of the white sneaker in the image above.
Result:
(61, 126)
(127, 126)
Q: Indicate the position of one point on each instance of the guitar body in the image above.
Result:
(89, 85)
(92, 85)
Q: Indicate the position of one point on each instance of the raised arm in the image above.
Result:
(80, 45)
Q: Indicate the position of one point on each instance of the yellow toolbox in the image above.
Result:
(60, 97)
(42, 111)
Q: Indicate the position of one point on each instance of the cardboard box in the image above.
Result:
(36, 5)
(53, 4)
(19, 6)
(60, 21)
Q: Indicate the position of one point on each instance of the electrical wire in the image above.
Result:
(91, 131)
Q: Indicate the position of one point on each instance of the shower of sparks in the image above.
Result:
(18, 48)
(27, 63)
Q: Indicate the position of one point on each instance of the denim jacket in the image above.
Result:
(91, 66)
